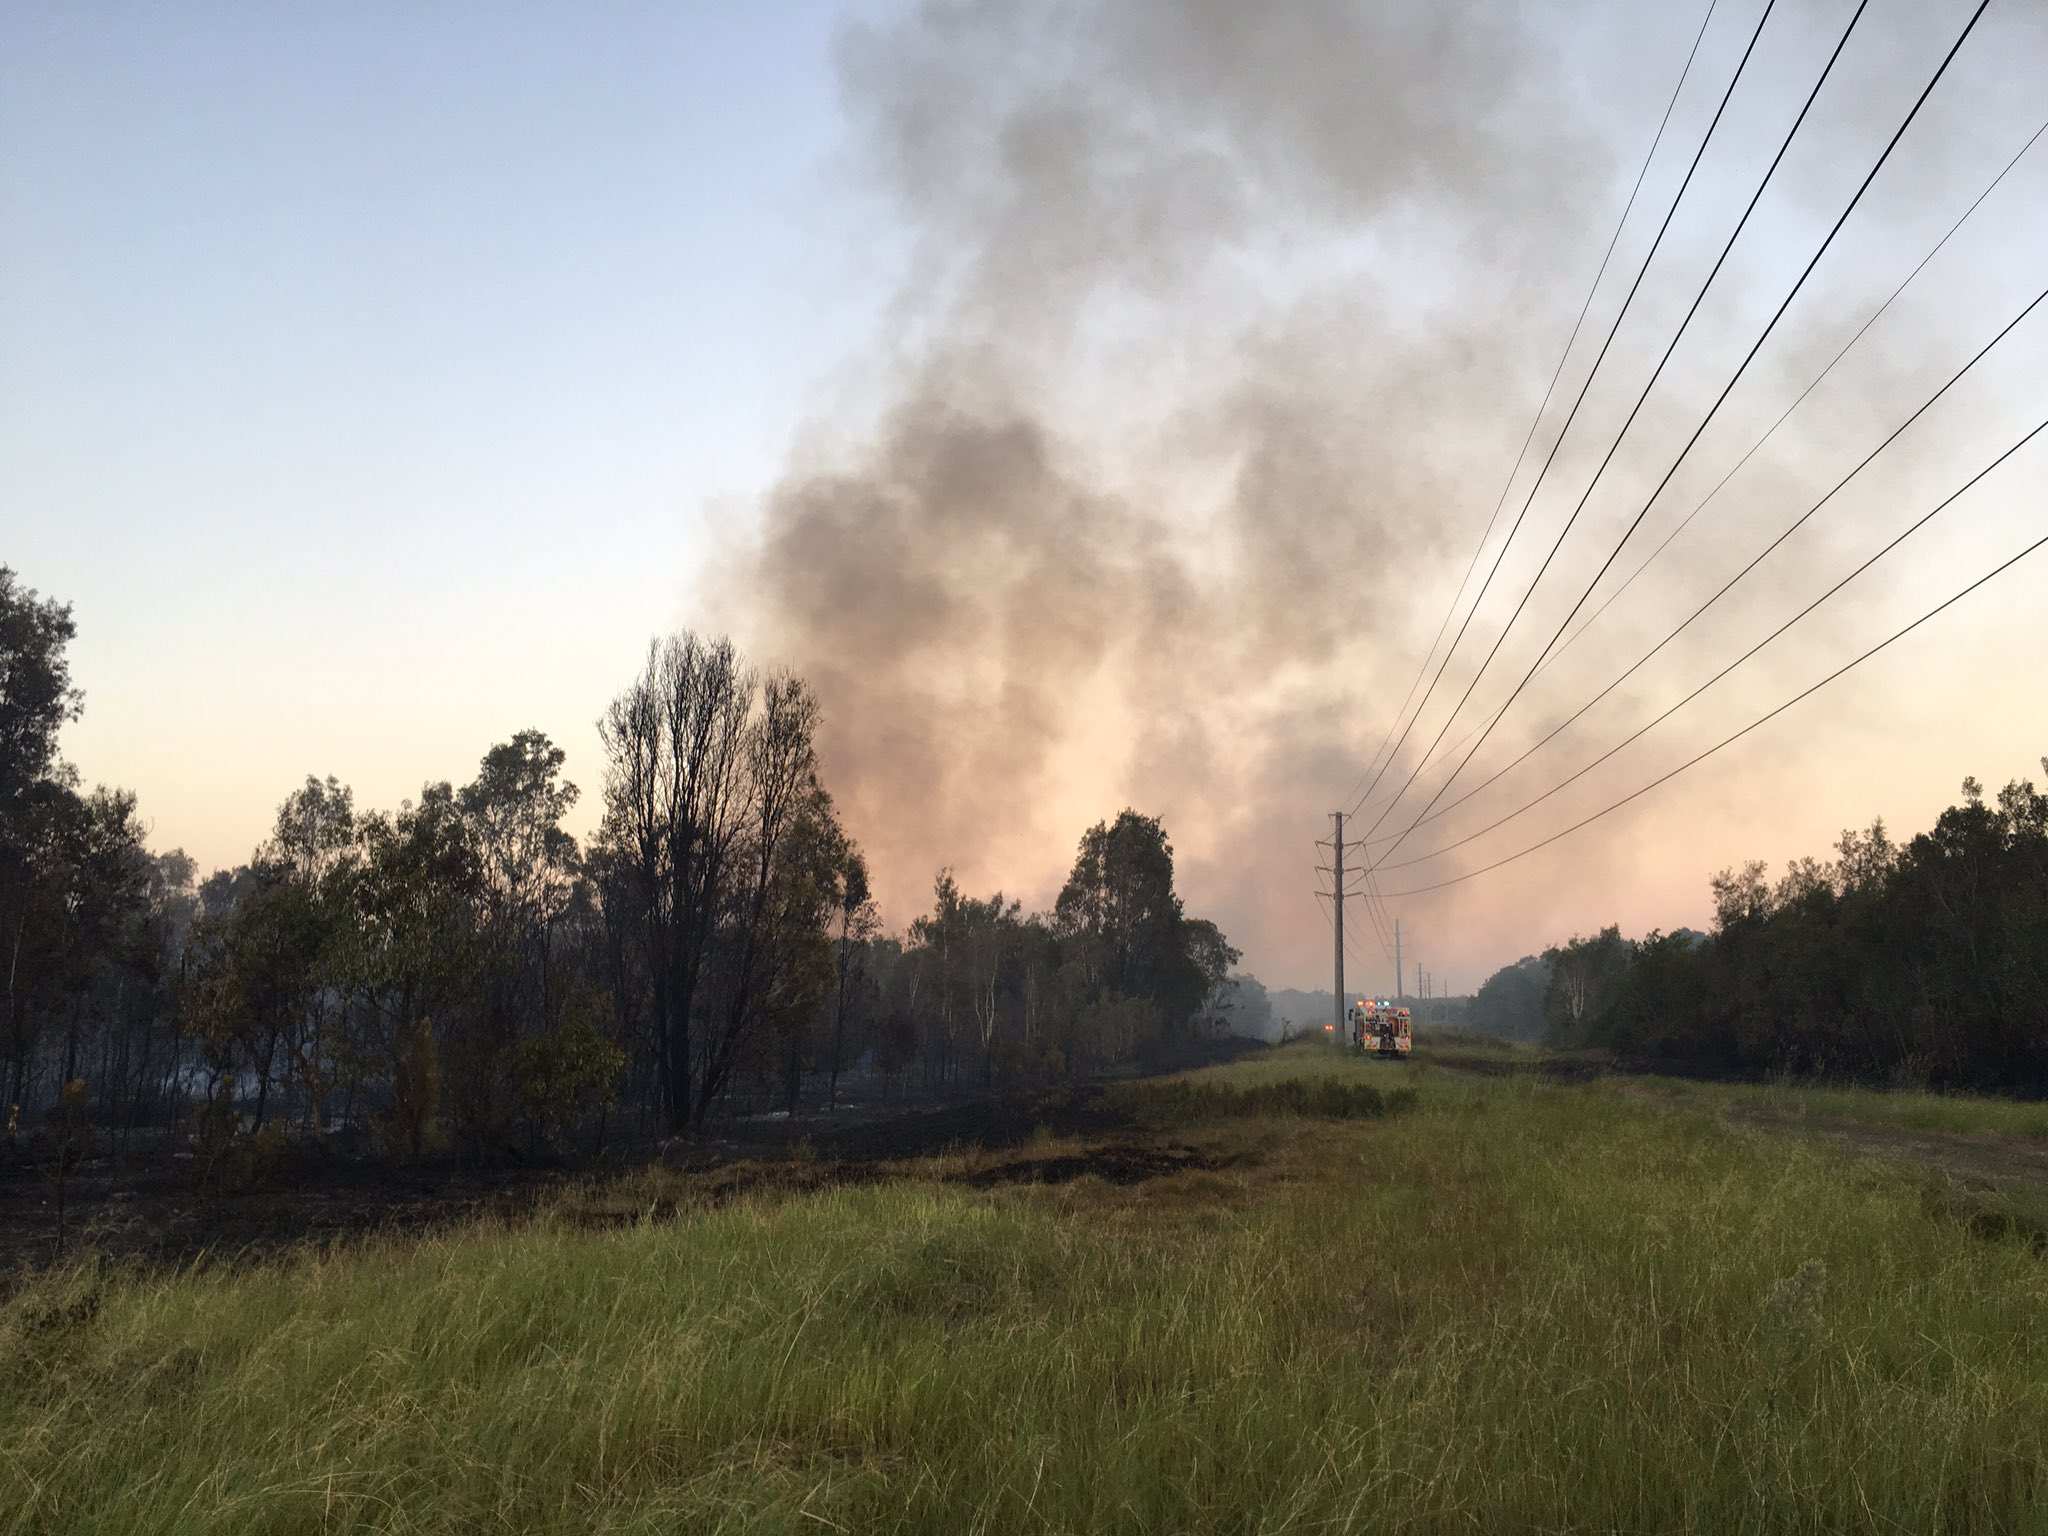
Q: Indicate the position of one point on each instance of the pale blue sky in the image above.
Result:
(365, 383)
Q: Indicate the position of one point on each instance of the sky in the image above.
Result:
(1098, 402)
(372, 386)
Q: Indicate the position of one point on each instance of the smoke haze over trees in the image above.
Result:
(460, 975)
(1197, 362)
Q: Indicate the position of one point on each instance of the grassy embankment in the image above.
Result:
(1957, 1114)
(1517, 1305)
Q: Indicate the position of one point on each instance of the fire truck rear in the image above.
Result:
(1381, 1028)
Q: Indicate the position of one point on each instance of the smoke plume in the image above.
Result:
(1212, 318)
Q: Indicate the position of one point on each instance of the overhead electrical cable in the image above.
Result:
(1572, 416)
(1728, 741)
(1372, 915)
(1350, 952)
(1378, 916)
(1614, 447)
(1821, 377)
(1537, 420)
(1791, 528)
(1864, 186)
(1379, 928)
(1876, 315)
(1896, 541)
(1387, 918)
(1536, 485)
(1379, 932)
(1701, 506)
(1372, 911)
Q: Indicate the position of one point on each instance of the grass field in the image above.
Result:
(1512, 1305)
(1902, 1109)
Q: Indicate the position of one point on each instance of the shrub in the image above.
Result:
(565, 1075)
(405, 1130)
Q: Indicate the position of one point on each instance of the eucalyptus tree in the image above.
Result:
(528, 861)
(720, 840)
(854, 911)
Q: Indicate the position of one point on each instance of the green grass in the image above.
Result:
(1897, 1109)
(1309, 1059)
(1518, 1306)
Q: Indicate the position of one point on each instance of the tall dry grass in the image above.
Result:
(1516, 1307)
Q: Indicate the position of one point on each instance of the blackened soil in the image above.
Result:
(152, 1211)
(156, 1215)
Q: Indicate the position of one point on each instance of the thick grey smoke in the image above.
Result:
(1175, 416)
(1215, 318)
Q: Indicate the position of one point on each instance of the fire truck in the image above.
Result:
(1381, 1028)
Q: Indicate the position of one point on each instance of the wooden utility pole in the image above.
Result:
(1339, 1022)
(1337, 843)
(1400, 977)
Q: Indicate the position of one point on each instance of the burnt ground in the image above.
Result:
(157, 1214)
(151, 1210)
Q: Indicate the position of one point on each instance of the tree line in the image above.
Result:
(1922, 963)
(461, 974)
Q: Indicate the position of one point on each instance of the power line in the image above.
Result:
(1501, 638)
(1793, 527)
(1819, 378)
(1537, 420)
(1360, 958)
(1761, 719)
(1350, 953)
(1876, 315)
(1379, 933)
(1892, 144)
(1350, 891)
(1563, 431)
(1615, 446)
(1701, 506)
(1381, 918)
(1703, 687)
(1377, 919)
(1373, 916)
